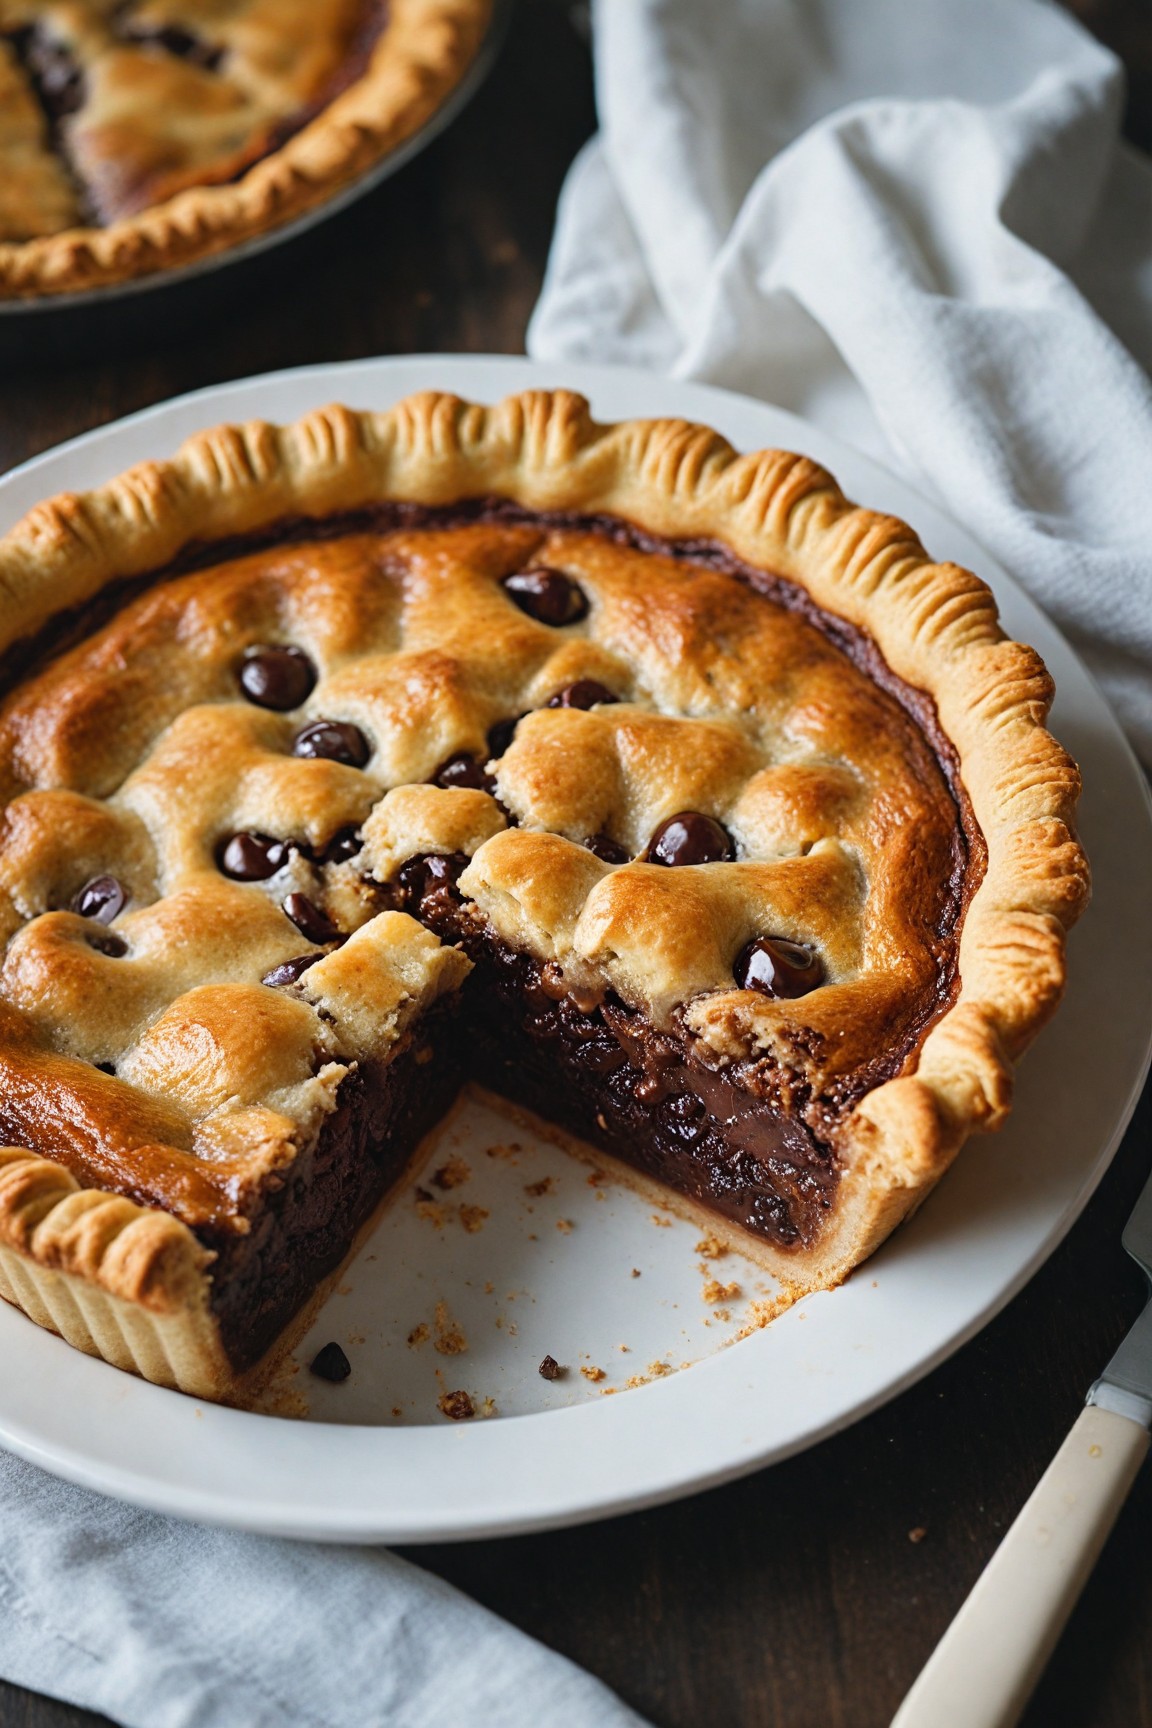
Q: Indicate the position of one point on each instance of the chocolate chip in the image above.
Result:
(462, 770)
(549, 596)
(108, 944)
(690, 838)
(289, 970)
(308, 918)
(279, 678)
(330, 1363)
(252, 857)
(584, 693)
(606, 849)
(334, 741)
(102, 898)
(343, 845)
(501, 735)
(550, 1369)
(456, 1405)
(429, 873)
(181, 44)
(777, 967)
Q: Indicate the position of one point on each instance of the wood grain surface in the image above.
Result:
(807, 1596)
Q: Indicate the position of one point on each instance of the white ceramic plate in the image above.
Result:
(522, 1273)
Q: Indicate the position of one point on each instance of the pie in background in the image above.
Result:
(141, 135)
(657, 789)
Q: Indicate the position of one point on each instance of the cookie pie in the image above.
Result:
(140, 135)
(659, 790)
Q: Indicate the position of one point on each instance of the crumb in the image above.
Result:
(449, 1340)
(656, 1369)
(661, 1223)
(537, 1189)
(593, 1374)
(550, 1369)
(431, 1212)
(565, 1226)
(600, 1194)
(457, 1406)
(624, 1348)
(712, 1248)
(715, 1292)
(601, 1121)
(330, 1363)
(609, 1391)
(488, 1287)
(597, 1176)
(762, 1313)
(722, 1314)
(397, 1410)
(636, 1380)
(509, 1151)
(918, 1534)
(356, 1338)
(635, 1271)
(418, 1335)
(472, 1218)
(532, 1236)
(453, 1174)
(487, 1407)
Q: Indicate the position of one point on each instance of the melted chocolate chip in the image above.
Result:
(102, 898)
(690, 838)
(343, 845)
(584, 693)
(330, 1363)
(309, 919)
(606, 849)
(501, 735)
(462, 770)
(289, 970)
(457, 1406)
(429, 874)
(334, 741)
(58, 78)
(107, 943)
(181, 44)
(252, 857)
(777, 967)
(279, 678)
(549, 596)
(550, 1369)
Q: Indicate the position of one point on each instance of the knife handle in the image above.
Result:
(982, 1672)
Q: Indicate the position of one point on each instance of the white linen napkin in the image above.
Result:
(160, 1624)
(912, 221)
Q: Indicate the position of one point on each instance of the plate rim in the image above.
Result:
(370, 1523)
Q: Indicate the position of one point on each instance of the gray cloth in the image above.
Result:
(160, 1624)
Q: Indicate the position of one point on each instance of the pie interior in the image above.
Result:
(136, 135)
(657, 790)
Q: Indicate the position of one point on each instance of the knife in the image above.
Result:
(983, 1671)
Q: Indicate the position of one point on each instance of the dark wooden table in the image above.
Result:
(807, 1596)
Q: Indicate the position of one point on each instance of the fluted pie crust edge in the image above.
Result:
(131, 1284)
(421, 56)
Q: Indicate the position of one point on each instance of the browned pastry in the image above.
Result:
(659, 790)
(137, 135)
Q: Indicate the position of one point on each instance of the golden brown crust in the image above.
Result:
(934, 624)
(171, 202)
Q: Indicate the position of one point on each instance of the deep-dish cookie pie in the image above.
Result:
(141, 135)
(658, 789)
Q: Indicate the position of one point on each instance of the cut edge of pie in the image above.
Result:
(130, 1283)
(420, 56)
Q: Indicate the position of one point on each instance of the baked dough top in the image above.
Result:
(137, 755)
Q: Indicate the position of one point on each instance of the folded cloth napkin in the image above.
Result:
(914, 222)
(160, 1624)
